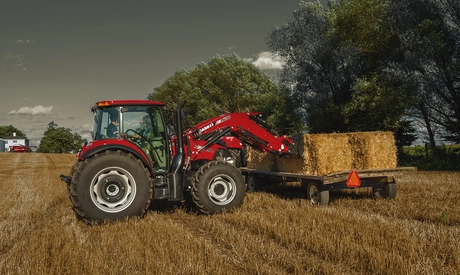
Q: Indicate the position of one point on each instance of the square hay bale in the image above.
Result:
(323, 154)
(291, 165)
(260, 160)
(373, 150)
(326, 153)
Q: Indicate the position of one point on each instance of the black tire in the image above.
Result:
(72, 172)
(385, 191)
(218, 186)
(110, 186)
(317, 194)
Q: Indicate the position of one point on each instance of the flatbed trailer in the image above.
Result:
(381, 180)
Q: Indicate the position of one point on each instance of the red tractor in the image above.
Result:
(134, 158)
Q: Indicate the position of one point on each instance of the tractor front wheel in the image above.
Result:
(110, 186)
(218, 186)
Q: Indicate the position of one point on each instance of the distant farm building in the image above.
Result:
(13, 140)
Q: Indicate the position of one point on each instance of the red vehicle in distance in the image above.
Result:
(21, 148)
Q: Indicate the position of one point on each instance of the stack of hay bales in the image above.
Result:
(329, 153)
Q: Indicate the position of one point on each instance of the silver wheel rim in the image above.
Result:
(113, 189)
(313, 194)
(222, 189)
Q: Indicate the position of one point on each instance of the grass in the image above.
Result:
(275, 232)
(443, 158)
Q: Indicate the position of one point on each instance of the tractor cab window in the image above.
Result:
(144, 126)
(106, 123)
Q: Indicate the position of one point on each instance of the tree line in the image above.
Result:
(353, 65)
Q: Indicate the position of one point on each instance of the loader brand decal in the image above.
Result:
(214, 123)
(207, 127)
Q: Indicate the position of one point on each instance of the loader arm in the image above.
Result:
(247, 127)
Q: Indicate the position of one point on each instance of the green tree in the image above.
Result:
(6, 131)
(342, 66)
(59, 140)
(226, 84)
(430, 35)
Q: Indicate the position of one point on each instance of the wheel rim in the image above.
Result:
(313, 194)
(379, 192)
(113, 189)
(221, 189)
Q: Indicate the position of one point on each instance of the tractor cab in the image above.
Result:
(140, 123)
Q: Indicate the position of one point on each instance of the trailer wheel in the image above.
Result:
(110, 186)
(218, 186)
(317, 194)
(385, 191)
(252, 183)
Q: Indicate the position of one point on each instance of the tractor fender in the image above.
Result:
(114, 147)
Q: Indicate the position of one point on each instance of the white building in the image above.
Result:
(14, 140)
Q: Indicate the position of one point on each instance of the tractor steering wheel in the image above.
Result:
(140, 134)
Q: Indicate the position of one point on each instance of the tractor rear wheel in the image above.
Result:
(110, 186)
(218, 186)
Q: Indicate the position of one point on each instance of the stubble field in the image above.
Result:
(274, 232)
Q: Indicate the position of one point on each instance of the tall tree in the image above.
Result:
(429, 34)
(226, 84)
(317, 75)
(340, 66)
(59, 140)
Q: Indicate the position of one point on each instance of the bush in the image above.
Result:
(443, 158)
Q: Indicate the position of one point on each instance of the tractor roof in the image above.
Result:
(124, 102)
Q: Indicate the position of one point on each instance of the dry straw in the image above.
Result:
(329, 153)
(373, 150)
(260, 160)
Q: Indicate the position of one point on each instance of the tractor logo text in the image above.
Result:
(207, 127)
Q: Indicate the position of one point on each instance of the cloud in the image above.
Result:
(27, 41)
(268, 61)
(14, 57)
(16, 61)
(37, 110)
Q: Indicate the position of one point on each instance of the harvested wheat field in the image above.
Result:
(274, 232)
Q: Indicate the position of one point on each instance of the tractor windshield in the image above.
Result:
(144, 125)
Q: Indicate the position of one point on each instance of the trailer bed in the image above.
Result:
(318, 187)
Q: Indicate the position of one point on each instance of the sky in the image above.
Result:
(58, 58)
